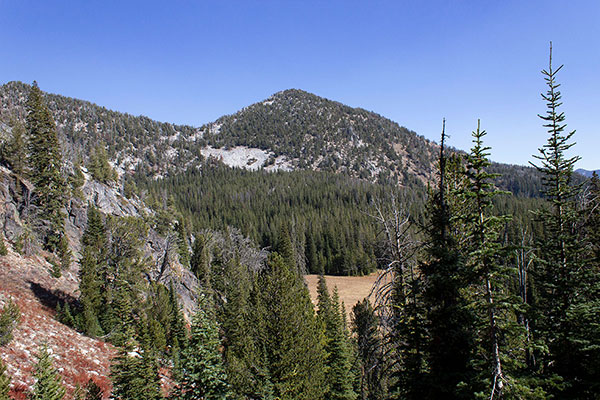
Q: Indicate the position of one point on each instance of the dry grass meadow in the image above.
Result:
(351, 289)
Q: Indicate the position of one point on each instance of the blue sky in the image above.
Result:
(412, 61)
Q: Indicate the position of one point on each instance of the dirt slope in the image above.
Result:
(27, 281)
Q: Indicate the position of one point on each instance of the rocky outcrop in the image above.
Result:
(15, 207)
(15, 199)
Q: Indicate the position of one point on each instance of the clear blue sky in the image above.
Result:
(412, 61)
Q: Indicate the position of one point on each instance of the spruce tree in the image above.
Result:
(177, 329)
(203, 372)
(370, 351)
(243, 354)
(450, 337)
(285, 247)
(337, 347)
(312, 263)
(200, 260)
(92, 266)
(134, 376)
(592, 219)
(122, 320)
(3, 249)
(339, 355)
(500, 370)
(17, 150)
(10, 316)
(134, 371)
(122, 275)
(293, 340)
(93, 391)
(99, 166)
(567, 286)
(48, 383)
(178, 339)
(77, 179)
(4, 382)
(182, 244)
(586, 332)
(45, 163)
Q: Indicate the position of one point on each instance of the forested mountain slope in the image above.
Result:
(292, 129)
(320, 134)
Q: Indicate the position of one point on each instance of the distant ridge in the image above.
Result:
(586, 172)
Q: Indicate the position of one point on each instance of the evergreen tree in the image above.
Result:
(312, 263)
(182, 244)
(178, 339)
(567, 285)
(493, 302)
(3, 249)
(93, 391)
(48, 383)
(122, 276)
(243, 354)
(10, 316)
(99, 166)
(134, 376)
(64, 253)
(370, 351)
(45, 163)
(16, 151)
(285, 248)
(4, 382)
(592, 219)
(337, 347)
(77, 179)
(200, 261)
(134, 371)
(339, 355)
(122, 321)
(293, 342)
(449, 322)
(92, 266)
(203, 373)
(64, 315)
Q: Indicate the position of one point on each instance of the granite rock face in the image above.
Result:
(15, 196)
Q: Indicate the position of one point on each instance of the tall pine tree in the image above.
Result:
(500, 370)
(449, 322)
(293, 342)
(92, 266)
(16, 151)
(203, 372)
(337, 346)
(567, 303)
(370, 351)
(45, 163)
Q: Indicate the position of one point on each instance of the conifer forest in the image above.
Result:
(190, 272)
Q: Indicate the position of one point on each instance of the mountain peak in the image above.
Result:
(313, 132)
